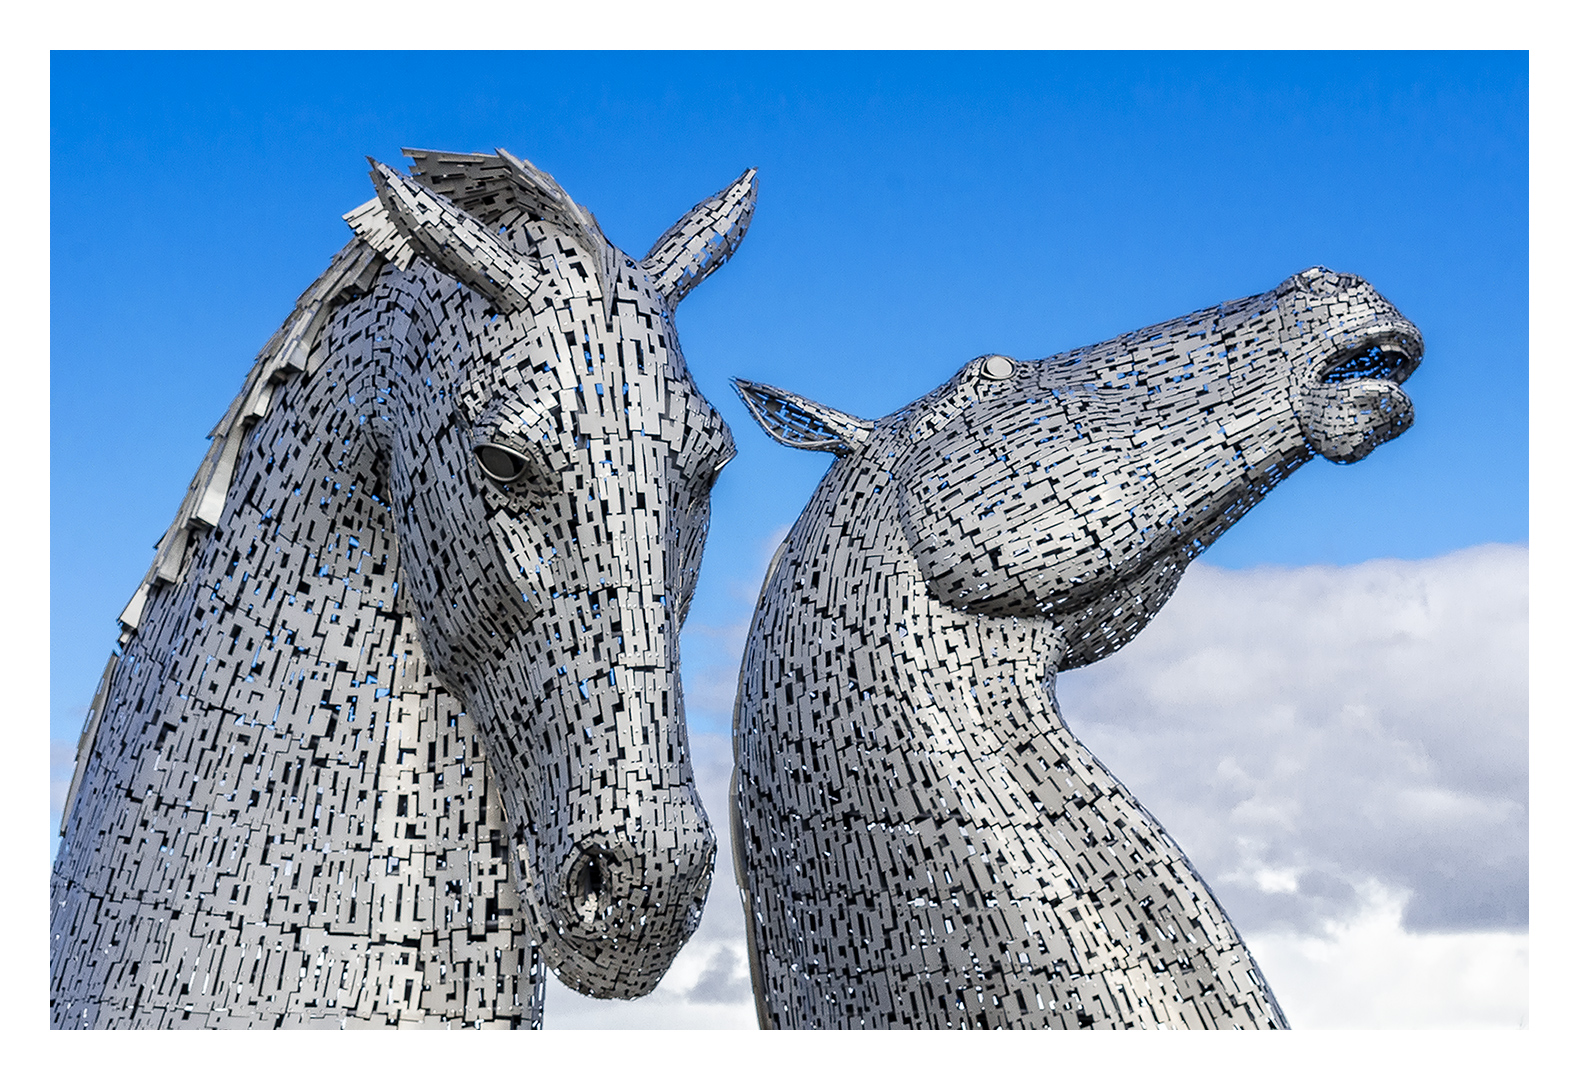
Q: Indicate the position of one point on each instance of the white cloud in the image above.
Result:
(1368, 972)
(1342, 752)
(1305, 732)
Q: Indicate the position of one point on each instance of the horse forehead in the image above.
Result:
(1349, 294)
(596, 395)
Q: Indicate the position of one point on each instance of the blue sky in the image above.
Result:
(916, 210)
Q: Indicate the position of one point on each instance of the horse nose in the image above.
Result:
(598, 869)
(612, 885)
(624, 909)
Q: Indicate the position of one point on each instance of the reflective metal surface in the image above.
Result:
(920, 840)
(387, 738)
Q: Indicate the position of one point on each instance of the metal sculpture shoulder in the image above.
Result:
(396, 724)
(920, 840)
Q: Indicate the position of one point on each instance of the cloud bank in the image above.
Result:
(1307, 732)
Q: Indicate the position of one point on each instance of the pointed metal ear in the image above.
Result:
(407, 219)
(702, 240)
(800, 422)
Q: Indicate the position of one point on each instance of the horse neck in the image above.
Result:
(971, 682)
(868, 707)
(276, 706)
(298, 504)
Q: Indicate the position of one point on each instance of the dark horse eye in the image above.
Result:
(505, 466)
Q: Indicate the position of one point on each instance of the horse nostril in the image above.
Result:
(586, 887)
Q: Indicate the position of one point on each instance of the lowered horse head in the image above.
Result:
(1079, 487)
(550, 462)
(921, 840)
(427, 586)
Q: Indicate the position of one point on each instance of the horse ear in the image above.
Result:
(407, 220)
(702, 240)
(801, 422)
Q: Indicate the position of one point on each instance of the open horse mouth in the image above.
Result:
(1356, 403)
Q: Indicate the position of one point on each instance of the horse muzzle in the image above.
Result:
(622, 905)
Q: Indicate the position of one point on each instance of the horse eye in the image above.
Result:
(998, 368)
(505, 466)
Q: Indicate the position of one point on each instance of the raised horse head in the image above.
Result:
(1078, 487)
(921, 840)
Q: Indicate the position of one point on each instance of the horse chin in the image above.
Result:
(1344, 421)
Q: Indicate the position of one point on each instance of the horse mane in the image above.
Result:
(490, 186)
(287, 353)
(486, 186)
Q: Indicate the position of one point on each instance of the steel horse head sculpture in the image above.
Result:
(920, 841)
(397, 721)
